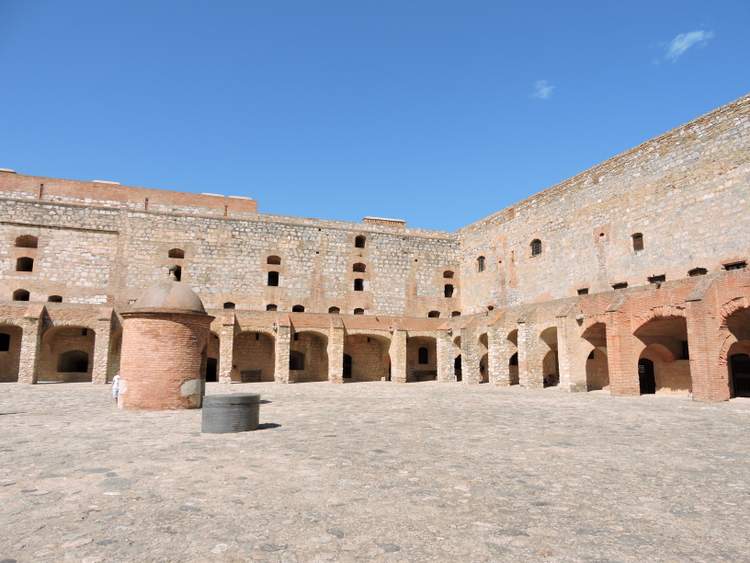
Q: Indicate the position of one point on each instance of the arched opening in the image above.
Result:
(20, 295)
(212, 358)
(308, 360)
(513, 360)
(359, 241)
(455, 313)
(273, 279)
(65, 354)
(665, 346)
(334, 310)
(370, 357)
(595, 353)
(274, 260)
(536, 247)
(73, 361)
(480, 264)
(550, 367)
(24, 264)
(738, 355)
(272, 307)
(433, 314)
(359, 311)
(253, 357)
(359, 267)
(229, 305)
(176, 253)
(421, 358)
(484, 373)
(298, 309)
(448, 290)
(55, 299)
(27, 241)
(10, 352)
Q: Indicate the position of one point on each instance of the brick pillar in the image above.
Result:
(336, 354)
(397, 352)
(710, 379)
(226, 351)
(283, 341)
(470, 356)
(102, 337)
(444, 348)
(567, 347)
(622, 362)
(31, 344)
(530, 370)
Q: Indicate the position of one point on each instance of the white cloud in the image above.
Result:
(684, 41)
(542, 90)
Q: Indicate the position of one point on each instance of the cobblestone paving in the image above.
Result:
(363, 471)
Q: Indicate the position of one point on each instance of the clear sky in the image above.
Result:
(433, 111)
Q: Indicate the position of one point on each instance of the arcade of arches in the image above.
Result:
(696, 347)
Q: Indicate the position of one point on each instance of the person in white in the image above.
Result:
(116, 386)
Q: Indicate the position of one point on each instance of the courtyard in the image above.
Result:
(375, 471)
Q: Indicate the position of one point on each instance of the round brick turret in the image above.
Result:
(164, 344)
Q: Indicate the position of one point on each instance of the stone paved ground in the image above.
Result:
(377, 471)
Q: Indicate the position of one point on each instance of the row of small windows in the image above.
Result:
(23, 295)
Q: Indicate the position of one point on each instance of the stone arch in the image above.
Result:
(253, 356)
(664, 342)
(592, 358)
(10, 351)
(421, 358)
(54, 358)
(547, 359)
(213, 358)
(370, 356)
(313, 345)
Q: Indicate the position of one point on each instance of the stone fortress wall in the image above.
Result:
(531, 295)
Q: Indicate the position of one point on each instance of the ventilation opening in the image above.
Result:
(27, 241)
(276, 260)
(657, 279)
(271, 307)
(298, 309)
(20, 295)
(433, 314)
(621, 285)
(359, 311)
(273, 279)
(55, 298)
(583, 291)
(456, 314)
(74, 361)
(334, 310)
(739, 265)
(24, 264)
(176, 253)
(229, 305)
(697, 272)
(359, 241)
(637, 241)
(448, 275)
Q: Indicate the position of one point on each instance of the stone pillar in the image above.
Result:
(710, 379)
(566, 350)
(470, 356)
(283, 342)
(226, 350)
(526, 377)
(444, 348)
(336, 354)
(622, 362)
(31, 344)
(102, 338)
(397, 352)
(498, 357)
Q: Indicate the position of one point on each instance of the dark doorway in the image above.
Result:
(211, 370)
(646, 377)
(347, 366)
(457, 368)
(740, 375)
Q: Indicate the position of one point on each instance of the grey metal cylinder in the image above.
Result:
(230, 413)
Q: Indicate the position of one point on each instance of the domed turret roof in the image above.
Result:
(170, 295)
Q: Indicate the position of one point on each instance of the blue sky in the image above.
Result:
(436, 112)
